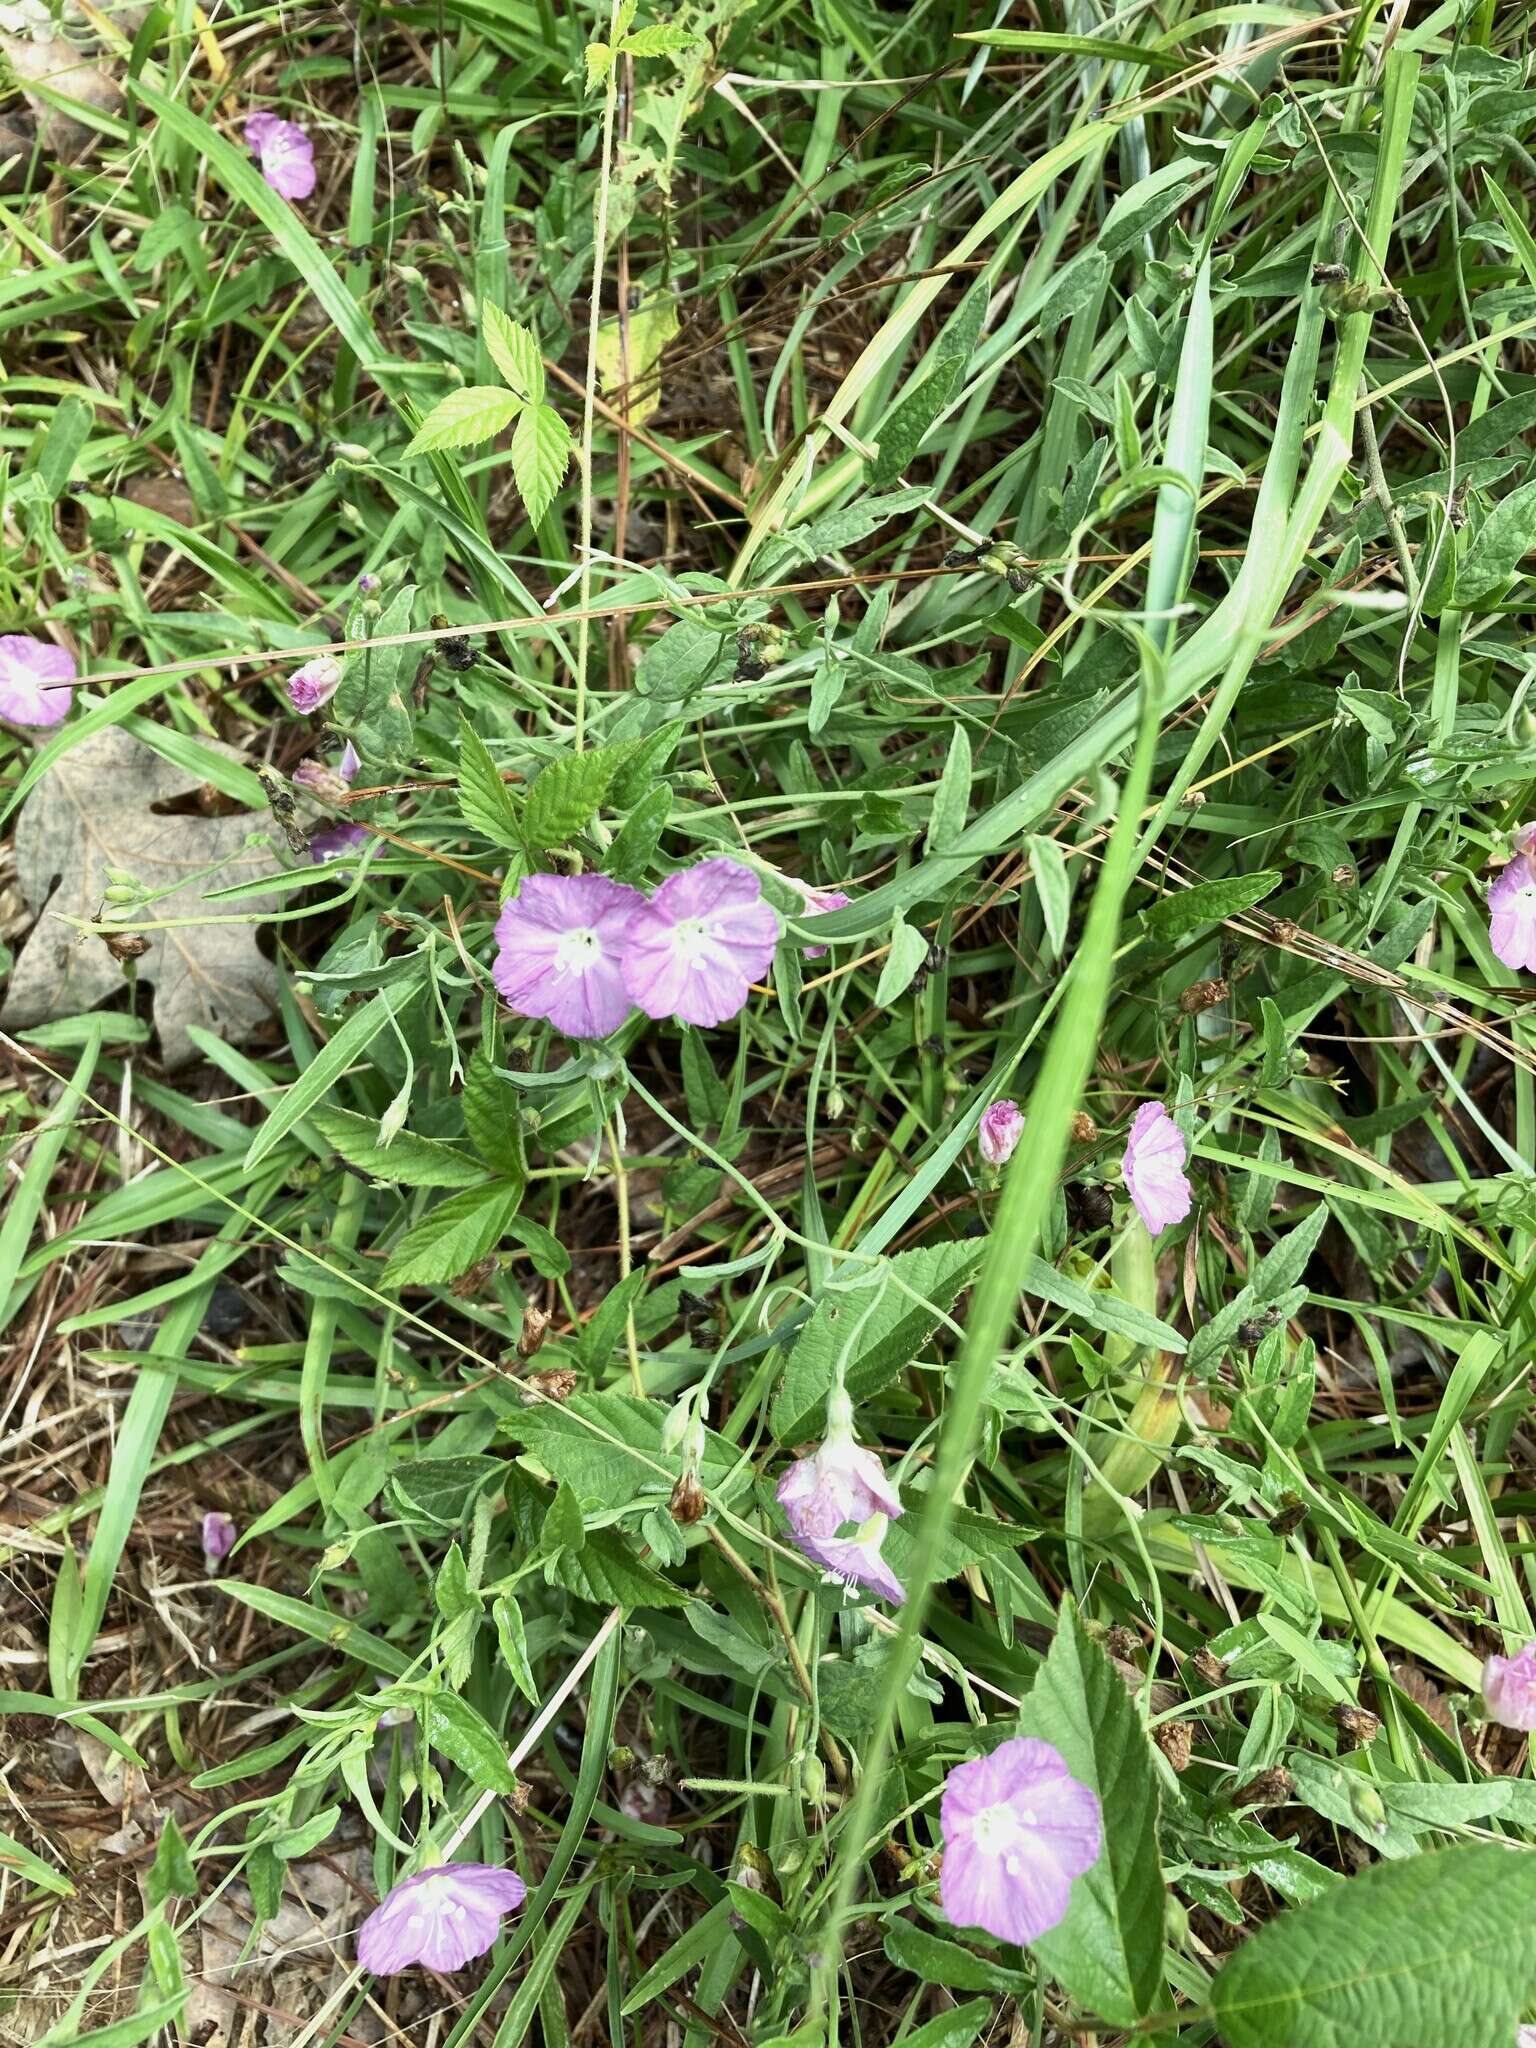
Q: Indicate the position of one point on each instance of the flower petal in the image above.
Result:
(36, 680)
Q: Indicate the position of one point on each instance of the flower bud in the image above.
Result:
(1002, 1126)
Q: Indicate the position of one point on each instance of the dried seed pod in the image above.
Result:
(558, 1385)
(457, 650)
(1084, 1129)
(469, 1284)
(1176, 1739)
(688, 1503)
(1202, 995)
(1088, 1205)
(1208, 1667)
(284, 811)
(125, 946)
(1358, 1726)
(535, 1329)
(1267, 1788)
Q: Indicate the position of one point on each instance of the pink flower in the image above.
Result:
(1509, 1690)
(335, 842)
(36, 680)
(559, 945)
(1154, 1168)
(841, 1485)
(314, 684)
(329, 784)
(285, 153)
(696, 948)
(1018, 1827)
(218, 1538)
(1002, 1126)
(443, 1917)
(1512, 905)
(817, 902)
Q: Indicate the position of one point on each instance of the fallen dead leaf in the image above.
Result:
(95, 809)
(40, 58)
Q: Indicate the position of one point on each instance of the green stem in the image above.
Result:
(589, 392)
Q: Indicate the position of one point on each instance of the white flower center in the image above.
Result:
(999, 1830)
(578, 951)
(691, 938)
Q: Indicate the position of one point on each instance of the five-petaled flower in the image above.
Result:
(314, 684)
(1018, 1827)
(285, 153)
(841, 1486)
(443, 1917)
(36, 680)
(1002, 1126)
(1512, 904)
(218, 1538)
(1509, 1690)
(695, 949)
(559, 946)
(1153, 1167)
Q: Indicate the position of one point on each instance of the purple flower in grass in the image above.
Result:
(36, 680)
(1154, 1168)
(559, 944)
(314, 684)
(335, 842)
(1512, 904)
(285, 153)
(442, 1918)
(1509, 1690)
(841, 1487)
(1018, 1827)
(817, 903)
(696, 948)
(1002, 1126)
(219, 1534)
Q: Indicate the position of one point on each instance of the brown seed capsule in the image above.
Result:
(1121, 1641)
(558, 1385)
(1269, 1788)
(1344, 876)
(1208, 1667)
(469, 1284)
(535, 1329)
(1176, 1739)
(1084, 1129)
(1357, 1725)
(1202, 995)
(125, 946)
(687, 1503)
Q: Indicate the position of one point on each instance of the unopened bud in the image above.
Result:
(1369, 1808)
(1344, 876)
(535, 1329)
(469, 1284)
(320, 781)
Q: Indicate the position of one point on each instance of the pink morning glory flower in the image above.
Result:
(1018, 1827)
(842, 1486)
(285, 153)
(314, 684)
(218, 1538)
(1154, 1168)
(559, 944)
(1509, 1690)
(335, 842)
(443, 1918)
(1512, 904)
(1002, 1126)
(36, 680)
(696, 948)
(817, 903)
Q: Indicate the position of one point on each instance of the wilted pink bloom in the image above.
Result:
(218, 1538)
(1509, 1690)
(334, 842)
(443, 1917)
(559, 943)
(329, 784)
(1018, 1827)
(1002, 1126)
(285, 153)
(817, 903)
(314, 684)
(1525, 2037)
(1154, 1168)
(696, 948)
(36, 680)
(842, 1486)
(1512, 904)
(367, 583)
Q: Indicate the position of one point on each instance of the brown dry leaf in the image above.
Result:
(94, 810)
(40, 58)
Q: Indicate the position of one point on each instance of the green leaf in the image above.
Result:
(909, 949)
(18, 1861)
(297, 1842)
(936, 1961)
(476, 413)
(952, 798)
(629, 857)
(373, 702)
(485, 803)
(607, 1447)
(659, 39)
(567, 794)
(1177, 915)
(171, 1875)
(1053, 886)
(564, 1529)
(1437, 1951)
(515, 351)
(541, 453)
(461, 1735)
(1108, 1951)
(878, 1318)
(440, 1490)
(1498, 548)
(957, 2028)
(414, 1162)
(1099, 1307)
(492, 1117)
(328, 1066)
(452, 1236)
(599, 64)
(904, 427)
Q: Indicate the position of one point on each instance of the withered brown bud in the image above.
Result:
(1269, 1788)
(469, 1284)
(1121, 1641)
(1202, 995)
(1208, 1667)
(535, 1329)
(557, 1385)
(125, 946)
(1195, 801)
(898, 1856)
(687, 1503)
(519, 1798)
(1357, 1725)
(321, 781)
(1084, 1129)
(1344, 876)
(1176, 1739)
(647, 1802)
(756, 1873)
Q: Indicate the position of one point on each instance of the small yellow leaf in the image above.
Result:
(649, 332)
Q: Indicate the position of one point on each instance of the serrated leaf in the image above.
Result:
(464, 417)
(466, 1739)
(441, 1489)
(515, 351)
(888, 1337)
(658, 39)
(567, 794)
(541, 453)
(414, 1162)
(1099, 1307)
(1500, 545)
(373, 701)
(1189, 909)
(903, 428)
(564, 1529)
(1281, 1268)
(605, 1570)
(485, 802)
(452, 1236)
(492, 1118)
(608, 1446)
(1108, 1951)
(1436, 1951)
(599, 63)
(909, 949)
